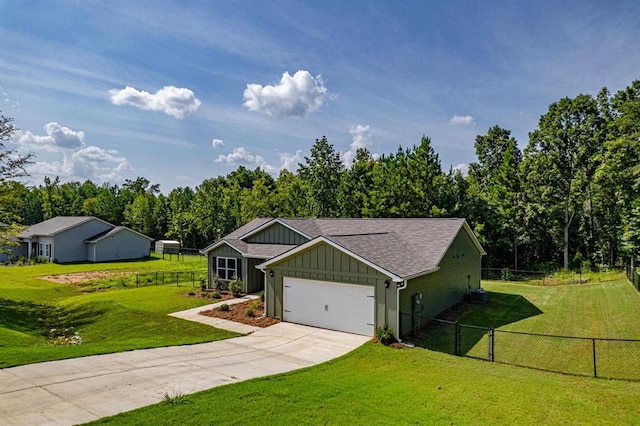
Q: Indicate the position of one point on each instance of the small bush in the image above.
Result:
(255, 304)
(251, 313)
(235, 286)
(261, 294)
(224, 307)
(203, 284)
(385, 335)
(215, 295)
(216, 282)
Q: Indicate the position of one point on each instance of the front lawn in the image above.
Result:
(379, 385)
(106, 321)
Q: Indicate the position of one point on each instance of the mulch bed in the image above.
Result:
(238, 313)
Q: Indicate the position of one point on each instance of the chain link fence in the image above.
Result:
(141, 279)
(581, 356)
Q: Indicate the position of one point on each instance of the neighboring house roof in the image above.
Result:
(400, 248)
(111, 232)
(56, 225)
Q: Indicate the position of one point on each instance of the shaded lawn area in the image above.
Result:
(380, 385)
(107, 321)
(607, 310)
(601, 310)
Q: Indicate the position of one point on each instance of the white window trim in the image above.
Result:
(226, 267)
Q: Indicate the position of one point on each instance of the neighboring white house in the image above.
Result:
(82, 238)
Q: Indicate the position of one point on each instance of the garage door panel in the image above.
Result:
(338, 306)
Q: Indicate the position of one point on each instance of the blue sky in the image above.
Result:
(182, 91)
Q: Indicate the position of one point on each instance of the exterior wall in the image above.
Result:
(253, 278)
(460, 268)
(325, 263)
(226, 251)
(69, 245)
(277, 234)
(122, 245)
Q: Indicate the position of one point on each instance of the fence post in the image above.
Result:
(136, 279)
(163, 278)
(491, 351)
(157, 277)
(456, 349)
(595, 370)
(177, 279)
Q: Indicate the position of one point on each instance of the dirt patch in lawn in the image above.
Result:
(80, 277)
(238, 313)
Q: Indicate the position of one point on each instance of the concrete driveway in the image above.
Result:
(83, 389)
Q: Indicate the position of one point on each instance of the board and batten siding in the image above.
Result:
(69, 245)
(325, 263)
(459, 268)
(277, 234)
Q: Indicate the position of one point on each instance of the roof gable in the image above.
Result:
(114, 231)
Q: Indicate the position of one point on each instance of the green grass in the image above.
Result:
(379, 385)
(107, 321)
(594, 310)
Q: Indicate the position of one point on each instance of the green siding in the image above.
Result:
(254, 278)
(325, 263)
(445, 287)
(225, 251)
(277, 234)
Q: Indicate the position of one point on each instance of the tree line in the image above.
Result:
(569, 199)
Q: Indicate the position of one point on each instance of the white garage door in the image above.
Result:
(336, 306)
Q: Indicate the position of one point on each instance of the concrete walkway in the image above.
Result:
(194, 315)
(83, 389)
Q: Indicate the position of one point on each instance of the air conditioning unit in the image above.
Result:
(479, 295)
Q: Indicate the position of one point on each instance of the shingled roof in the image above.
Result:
(55, 225)
(405, 247)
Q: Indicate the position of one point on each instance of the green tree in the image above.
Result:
(321, 173)
(355, 185)
(567, 137)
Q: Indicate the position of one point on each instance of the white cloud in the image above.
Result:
(292, 96)
(4, 96)
(76, 160)
(57, 138)
(288, 161)
(463, 167)
(361, 139)
(99, 164)
(217, 143)
(461, 120)
(174, 101)
(240, 156)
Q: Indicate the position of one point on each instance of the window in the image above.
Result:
(44, 250)
(228, 267)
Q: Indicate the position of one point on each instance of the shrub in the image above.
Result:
(224, 307)
(261, 294)
(216, 282)
(235, 286)
(215, 295)
(255, 304)
(251, 313)
(203, 284)
(385, 335)
(506, 274)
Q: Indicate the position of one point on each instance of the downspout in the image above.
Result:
(399, 286)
